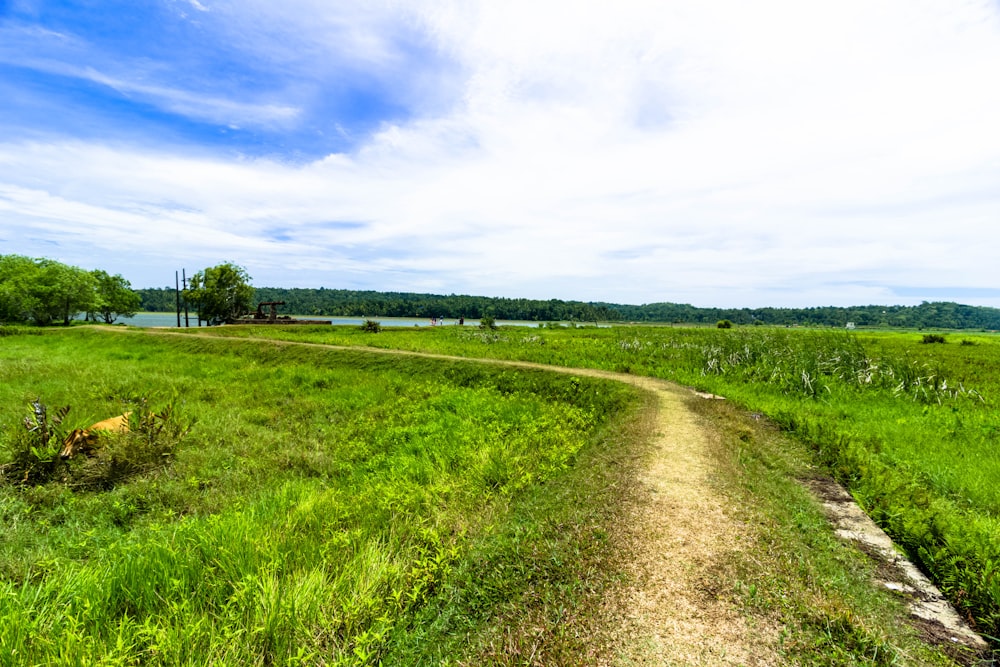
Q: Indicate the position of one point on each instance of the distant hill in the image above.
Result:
(351, 303)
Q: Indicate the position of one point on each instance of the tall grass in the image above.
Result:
(911, 429)
(324, 508)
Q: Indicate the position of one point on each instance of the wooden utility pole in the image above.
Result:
(187, 322)
(177, 294)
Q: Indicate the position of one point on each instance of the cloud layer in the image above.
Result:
(713, 153)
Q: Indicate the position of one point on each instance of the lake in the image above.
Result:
(170, 320)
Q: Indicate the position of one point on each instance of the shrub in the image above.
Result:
(724, 324)
(933, 338)
(371, 326)
(34, 450)
(487, 322)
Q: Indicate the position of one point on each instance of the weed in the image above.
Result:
(34, 451)
(34, 459)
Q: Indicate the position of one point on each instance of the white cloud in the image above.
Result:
(194, 105)
(718, 153)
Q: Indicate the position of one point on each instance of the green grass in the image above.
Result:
(912, 429)
(333, 507)
(340, 507)
(791, 570)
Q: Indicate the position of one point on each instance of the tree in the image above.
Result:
(59, 292)
(221, 293)
(16, 274)
(115, 297)
(43, 291)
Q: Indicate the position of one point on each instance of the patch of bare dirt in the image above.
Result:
(673, 610)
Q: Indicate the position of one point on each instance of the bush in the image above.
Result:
(724, 324)
(933, 338)
(487, 322)
(34, 450)
(371, 326)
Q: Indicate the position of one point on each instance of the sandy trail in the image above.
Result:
(671, 612)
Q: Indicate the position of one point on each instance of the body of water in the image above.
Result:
(170, 320)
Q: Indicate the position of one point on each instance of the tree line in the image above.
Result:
(352, 303)
(43, 292)
(927, 315)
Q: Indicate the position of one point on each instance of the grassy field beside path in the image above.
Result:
(320, 508)
(912, 428)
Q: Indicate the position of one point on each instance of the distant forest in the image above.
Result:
(350, 303)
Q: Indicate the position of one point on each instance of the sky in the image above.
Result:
(714, 152)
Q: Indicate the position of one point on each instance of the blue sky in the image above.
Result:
(712, 153)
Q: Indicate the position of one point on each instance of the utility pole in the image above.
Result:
(187, 322)
(177, 294)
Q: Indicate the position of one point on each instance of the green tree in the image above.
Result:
(61, 292)
(221, 293)
(43, 291)
(16, 275)
(115, 297)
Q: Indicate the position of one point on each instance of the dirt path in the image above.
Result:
(669, 614)
(671, 611)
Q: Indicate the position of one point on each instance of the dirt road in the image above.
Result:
(672, 612)
(669, 614)
(683, 533)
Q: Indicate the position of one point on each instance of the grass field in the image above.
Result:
(315, 504)
(310, 506)
(911, 428)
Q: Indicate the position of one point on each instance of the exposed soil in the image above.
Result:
(674, 613)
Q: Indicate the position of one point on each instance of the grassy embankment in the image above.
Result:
(912, 429)
(342, 508)
(322, 508)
